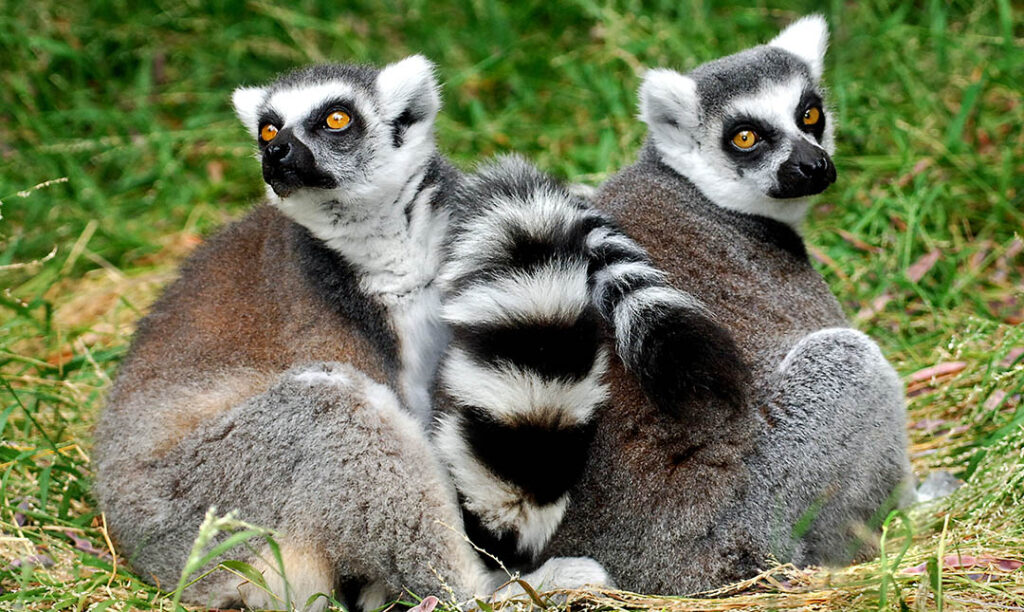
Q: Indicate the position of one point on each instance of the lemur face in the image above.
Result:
(750, 130)
(329, 135)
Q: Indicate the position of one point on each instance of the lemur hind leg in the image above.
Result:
(833, 457)
(327, 458)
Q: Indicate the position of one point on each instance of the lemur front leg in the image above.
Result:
(533, 279)
(833, 456)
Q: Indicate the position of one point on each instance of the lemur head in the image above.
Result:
(750, 130)
(342, 139)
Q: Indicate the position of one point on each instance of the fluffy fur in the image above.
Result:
(820, 455)
(384, 213)
(287, 374)
(525, 364)
(204, 413)
(806, 38)
(689, 117)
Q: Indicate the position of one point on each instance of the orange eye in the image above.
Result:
(745, 139)
(812, 115)
(268, 132)
(338, 120)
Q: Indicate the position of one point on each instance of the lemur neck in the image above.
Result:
(393, 233)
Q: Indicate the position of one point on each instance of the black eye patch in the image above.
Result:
(810, 115)
(765, 134)
(268, 117)
(316, 118)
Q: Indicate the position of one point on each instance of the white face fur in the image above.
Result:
(761, 142)
(354, 143)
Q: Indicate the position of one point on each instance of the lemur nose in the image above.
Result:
(276, 151)
(817, 167)
(811, 167)
(809, 170)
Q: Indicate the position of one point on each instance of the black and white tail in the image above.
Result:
(664, 336)
(523, 371)
(533, 279)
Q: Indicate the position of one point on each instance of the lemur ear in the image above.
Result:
(670, 107)
(806, 38)
(247, 101)
(408, 91)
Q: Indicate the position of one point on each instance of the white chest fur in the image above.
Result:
(422, 339)
(395, 241)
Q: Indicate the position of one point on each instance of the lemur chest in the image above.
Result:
(422, 339)
(399, 262)
(394, 249)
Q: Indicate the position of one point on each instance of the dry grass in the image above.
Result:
(921, 237)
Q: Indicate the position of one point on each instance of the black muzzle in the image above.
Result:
(289, 165)
(808, 171)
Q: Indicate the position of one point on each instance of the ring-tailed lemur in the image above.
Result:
(255, 382)
(263, 379)
(736, 147)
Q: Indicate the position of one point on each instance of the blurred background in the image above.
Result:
(119, 152)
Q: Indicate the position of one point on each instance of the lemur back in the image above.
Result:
(735, 148)
(752, 271)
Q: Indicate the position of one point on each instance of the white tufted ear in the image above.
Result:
(806, 38)
(670, 107)
(409, 87)
(247, 101)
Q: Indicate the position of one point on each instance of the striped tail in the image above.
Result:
(523, 372)
(533, 280)
(664, 336)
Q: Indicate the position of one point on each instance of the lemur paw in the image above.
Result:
(569, 573)
(559, 574)
(688, 357)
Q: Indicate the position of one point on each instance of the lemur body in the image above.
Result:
(684, 507)
(288, 373)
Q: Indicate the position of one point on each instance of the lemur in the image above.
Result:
(736, 148)
(288, 373)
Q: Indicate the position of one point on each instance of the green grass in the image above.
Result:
(921, 237)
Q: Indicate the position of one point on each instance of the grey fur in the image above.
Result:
(203, 413)
(334, 464)
(819, 458)
(722, 80)
(361, 76)
(286, 375)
